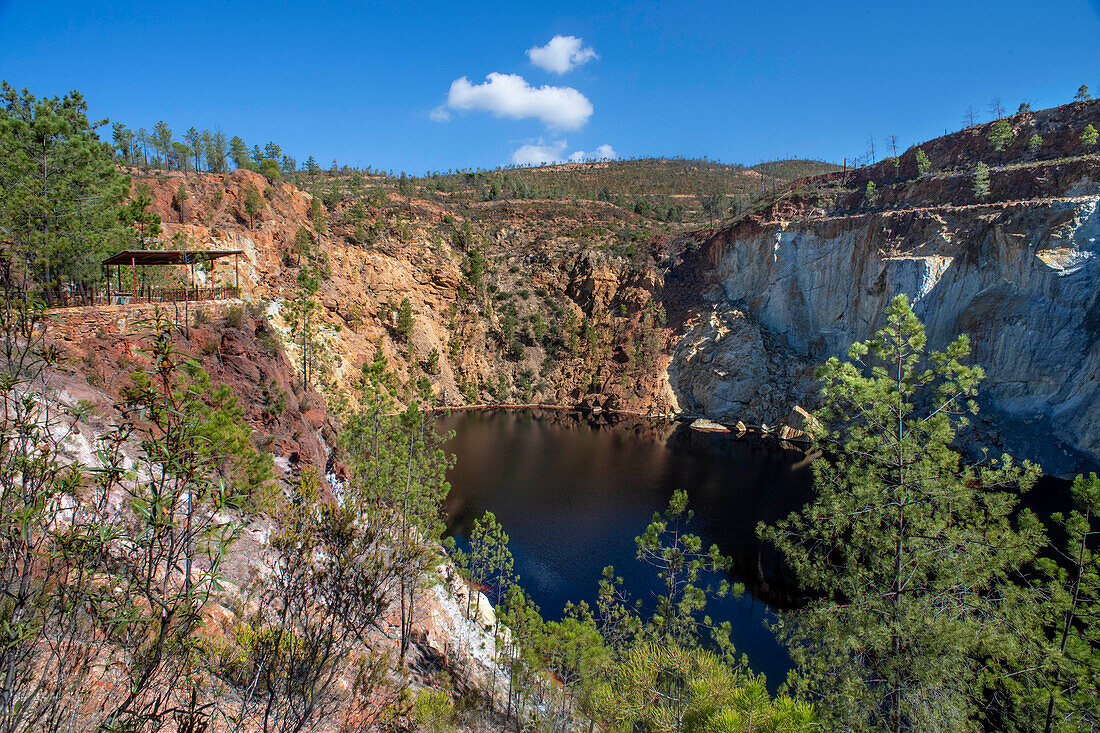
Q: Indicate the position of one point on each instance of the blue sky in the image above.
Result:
(735, 81)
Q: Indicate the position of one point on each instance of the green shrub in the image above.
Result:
(433, 712)
(234, 317)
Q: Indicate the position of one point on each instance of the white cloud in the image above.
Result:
(440, 114)
(604, 152)
(509, 95)
(539, 153)
(562, 54)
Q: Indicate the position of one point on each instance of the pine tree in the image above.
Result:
(124, 141)
(678, 689)
(207, 143)
(1082, 94)
(61, 194)
(180, 200)
(162, 139)
(903, 551)
(1071, 607)
(1001, 134)
(137, 214)
(405, 321)
(312, 169)
(489, 560)
(181, 155)
(923, 163)
(1053, 683)
(304, 329)
(981, 180)
(143, 139)
(253, 203)
(687, 573)
(238, 152)
(1089, 136)
(217, 152)
(194, 140)
(870, 193)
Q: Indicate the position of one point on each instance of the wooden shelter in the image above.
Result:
(166, 257)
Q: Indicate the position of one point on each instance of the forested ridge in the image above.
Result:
(929, 598)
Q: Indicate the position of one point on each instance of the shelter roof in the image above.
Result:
(168, 256)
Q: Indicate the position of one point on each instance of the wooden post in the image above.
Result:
(133, 280)
(236, 276)
(108, 268)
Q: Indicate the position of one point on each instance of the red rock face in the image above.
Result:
(104, 345)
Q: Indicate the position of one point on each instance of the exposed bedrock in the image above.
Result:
(1022, 280)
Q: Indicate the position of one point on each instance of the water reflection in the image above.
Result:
(572, 496)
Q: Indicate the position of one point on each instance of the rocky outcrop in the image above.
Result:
(1020, 279)
(728, 368)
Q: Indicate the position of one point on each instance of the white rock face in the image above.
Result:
(1023, 282)
(726, 368)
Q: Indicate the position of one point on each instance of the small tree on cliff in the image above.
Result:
(489, 559)
(145, 223)
(981, 180)
(903, 550)
(179, 200)
(1089, 136)
(1082, 94)
(238, 152)
(405, 321)
(253, 203)
(1001, 134)
(870, 193)
(923, 163)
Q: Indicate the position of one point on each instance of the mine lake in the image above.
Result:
(573, 493)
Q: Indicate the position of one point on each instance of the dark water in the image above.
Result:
(572, 496)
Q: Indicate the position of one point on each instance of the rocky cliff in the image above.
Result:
(512, 301)
(1017, 271)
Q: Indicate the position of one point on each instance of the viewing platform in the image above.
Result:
(150, 293)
